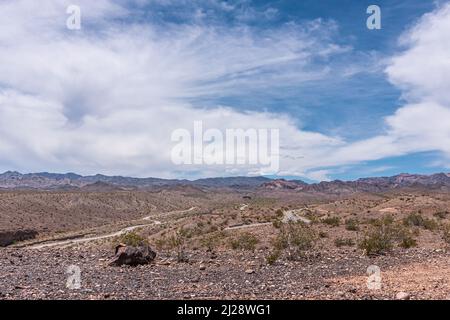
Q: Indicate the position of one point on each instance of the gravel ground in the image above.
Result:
(335, 274)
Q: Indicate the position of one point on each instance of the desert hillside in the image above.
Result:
(269, 241)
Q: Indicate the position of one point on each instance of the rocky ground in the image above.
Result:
(336, 274)
(227, 240)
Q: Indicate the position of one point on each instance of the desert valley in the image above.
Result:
(224, 238)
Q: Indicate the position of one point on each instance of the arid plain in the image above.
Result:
(240, 239)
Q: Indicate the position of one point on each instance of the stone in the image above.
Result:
(403, 296)
(133, 256)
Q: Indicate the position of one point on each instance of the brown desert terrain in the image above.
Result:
(227, 243)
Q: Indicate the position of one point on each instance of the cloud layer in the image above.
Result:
(107, 98)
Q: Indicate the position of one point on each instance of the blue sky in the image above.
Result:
(349, 102)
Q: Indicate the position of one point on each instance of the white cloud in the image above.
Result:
(107, 101)
(106, 98)
(422, 71)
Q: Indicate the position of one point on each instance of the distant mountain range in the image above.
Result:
(48, 181)
(378, 184)
(72, 181)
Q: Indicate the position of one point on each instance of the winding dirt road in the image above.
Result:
(82, 239)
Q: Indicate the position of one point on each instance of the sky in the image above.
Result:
(348, 102)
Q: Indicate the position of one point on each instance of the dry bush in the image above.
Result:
(212, 240)
(331, 221)
(177, 242)
(352, 224)
(378, 241)
(294, 239)
(132, 239)
(446, 233)
(344, 242)
(384, 235)
(244, 241)
(441, 214)
(416, 220)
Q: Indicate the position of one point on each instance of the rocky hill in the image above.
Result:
(379, 184)
(72, 181)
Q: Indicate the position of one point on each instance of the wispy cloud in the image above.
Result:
(106, 98)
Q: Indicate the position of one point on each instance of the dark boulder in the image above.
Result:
(133, 256)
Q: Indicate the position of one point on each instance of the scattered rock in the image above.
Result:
(133, 256)
(353, 290)
(249, 271)
(202, 267)
(403, 296)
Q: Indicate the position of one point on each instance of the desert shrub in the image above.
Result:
(408, 242)
(200, 224)
(279, 213)
(277, 223)
(212, 240)
(341, 242)
(384, 235)
(413, 219)
(416, 220)
(294, 239)
(178, 242)
(377, 241)
(384, 221)
(352, 224)
(446, 233)
(162, 243)
(430, 224)
(441, 214)
(332, 221)
(307, 213)
(213, 228)
(323, 234)
(244, 241)
(273, 256)
(380, 238)
(132, 239)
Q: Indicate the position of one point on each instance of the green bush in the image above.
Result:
(332, 221)
(277, 223)
(273, 257)
(441, 214)
(446, 233)
(408, 242)
(384, 234)
(416, 220)
(295, 238)
(132, 239)
(212, 240)
(385, 220)
(178, 241)
(341, 242)
(352, 224)
(245, 241)
(413, 220)
(380, 239)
